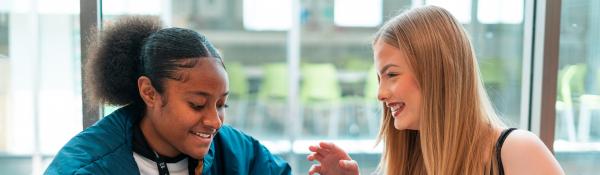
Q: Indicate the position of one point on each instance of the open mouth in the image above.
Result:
(202, 134)
(397, 108)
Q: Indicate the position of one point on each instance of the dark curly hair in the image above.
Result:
(137, 46)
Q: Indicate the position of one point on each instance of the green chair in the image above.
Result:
(238, 94)
(320, 93)
(371, 85)
(373, 109)
(319, 83)
(570, 82)
(588, 103)
(356, 63)
(495, 79)
(492, 72)
(271, 105)
(238, 82)
(274, 84)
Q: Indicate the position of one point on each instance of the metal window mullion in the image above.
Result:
(545, 69)
(293, 61)
(527, 67)
(34, 16)
(90, 17)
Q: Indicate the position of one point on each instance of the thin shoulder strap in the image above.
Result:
(499, 144)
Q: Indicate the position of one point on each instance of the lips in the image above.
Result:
(203, 136)
(396, 108)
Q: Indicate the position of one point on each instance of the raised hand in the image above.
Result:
(333, 160)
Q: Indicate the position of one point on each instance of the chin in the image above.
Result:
(198, 153)
(399, 125)
(403, 125)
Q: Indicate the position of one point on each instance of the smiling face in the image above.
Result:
(187, 115)
(398, 87)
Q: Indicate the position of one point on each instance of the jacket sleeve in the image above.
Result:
(239, 153)
(267, 163)
(103, 148)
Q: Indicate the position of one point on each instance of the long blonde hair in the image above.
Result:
(457, 123)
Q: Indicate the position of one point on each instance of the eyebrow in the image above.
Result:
(206, 94)
(386, 67)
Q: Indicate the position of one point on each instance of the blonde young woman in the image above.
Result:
(437, 117)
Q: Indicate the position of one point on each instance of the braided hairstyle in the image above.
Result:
(137, 46)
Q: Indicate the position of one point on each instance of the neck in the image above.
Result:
(155, 140)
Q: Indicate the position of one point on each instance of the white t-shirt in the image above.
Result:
(149, 167)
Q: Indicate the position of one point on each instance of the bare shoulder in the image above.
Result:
(524, 153)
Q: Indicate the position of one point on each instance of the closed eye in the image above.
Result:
(196, 107)
(390, 75)
(223, 106)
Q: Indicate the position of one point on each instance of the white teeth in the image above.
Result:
(397, 106)
(200, 134)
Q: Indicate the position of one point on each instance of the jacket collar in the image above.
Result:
(209, 158)
(134, 114)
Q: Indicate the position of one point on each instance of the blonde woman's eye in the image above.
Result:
(391, 75)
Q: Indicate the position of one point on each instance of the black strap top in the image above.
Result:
(499, 144)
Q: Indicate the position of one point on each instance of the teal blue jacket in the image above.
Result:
(106, 148)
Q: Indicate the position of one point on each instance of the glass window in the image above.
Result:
(360, 13)
(40, 82)
(254, 49)
(577, 137)
(267, 14)
(40, 77)
(338, 57)
(336, 93)
(337, 86)
(253, 46)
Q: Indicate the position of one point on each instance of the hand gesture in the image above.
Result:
(333, 160)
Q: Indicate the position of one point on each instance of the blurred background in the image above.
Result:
(300, 71)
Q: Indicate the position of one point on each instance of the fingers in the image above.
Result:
(330, 147)
(318, 149)
(310, 157)
(314, 169)
(350, 165)
(327, 145)
(313, 148)
(315, 156)
(324, 146)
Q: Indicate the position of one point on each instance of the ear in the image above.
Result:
(147, 92)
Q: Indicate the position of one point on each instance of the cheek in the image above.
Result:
(177, 116)
(168, 120)
(416, 99)
(412, 93)
(406, 87)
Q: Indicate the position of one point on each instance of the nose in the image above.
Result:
(383, 93)
(212, 118)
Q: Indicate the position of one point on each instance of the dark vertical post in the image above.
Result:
(545, 69)
(90, 17)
